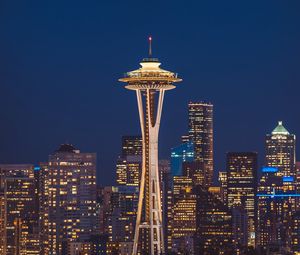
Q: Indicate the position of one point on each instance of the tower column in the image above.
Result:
(150, 83)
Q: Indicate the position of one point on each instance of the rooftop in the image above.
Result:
(280, 130)
(66, 148)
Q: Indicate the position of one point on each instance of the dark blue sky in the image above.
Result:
(60, 61)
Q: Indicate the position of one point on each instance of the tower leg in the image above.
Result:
(150, 175)
(142, 182)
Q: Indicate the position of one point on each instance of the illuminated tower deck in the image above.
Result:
(150, 83)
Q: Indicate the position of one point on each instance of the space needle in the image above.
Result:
(150, 83)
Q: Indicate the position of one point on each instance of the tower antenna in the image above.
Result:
(150, 46)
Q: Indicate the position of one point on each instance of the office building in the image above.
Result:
(295, 233)
(242, 185)
(223, 186)
(277, 203)
(129, 164)
(181, 216)
(21, 235)
(201, 134)
(180, 154)
(214, 233)
(280, 151)
(132, 146)
(71, 199)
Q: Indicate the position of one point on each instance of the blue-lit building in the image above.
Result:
(180, 154)
(277, 204)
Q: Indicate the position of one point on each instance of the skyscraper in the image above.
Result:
(183, 216)
(10, 170)
(124, 200)
(242, 185)
(277, 199)
(18, 213)
(164, 170)
(195, 170)
(277, 203)
(72, 199)
(223, 186)
(43, 204)
(129, 164)
(132, 145)
(201, 133)
(21, 230)
(150, 83)
(214, 233)
(182, 153)
(280, 151)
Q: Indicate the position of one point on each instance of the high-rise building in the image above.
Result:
(21, 234)
(183, 221)
(18, 210)
(277, 203)
(150, 83)
(295, 233)
(164, 170)
(104, 209)
(124, 201)
(214, 234)
(132, 146)
(277, 188)
(10, 170)
(280, 151)
(128, 172)
(216, 192)
(71, 199)
(201, 134)
(129, 165)
(242, 185)
(223, 186)
(195, 171)
(43, 205)
(240, 229)
(180, 154)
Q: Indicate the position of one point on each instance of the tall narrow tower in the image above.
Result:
(150, 83)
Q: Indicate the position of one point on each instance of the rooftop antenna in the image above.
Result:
(150, 46)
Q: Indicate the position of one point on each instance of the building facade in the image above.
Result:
(71, 199)
(280, 151)
(180, 154)
(201, 134)
(241, 187)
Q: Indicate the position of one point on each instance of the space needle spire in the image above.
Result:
(150, 46)
(150, 83)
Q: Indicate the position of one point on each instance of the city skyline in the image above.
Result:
(60, 62)
(101, 157)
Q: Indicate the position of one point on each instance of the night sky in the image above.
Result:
(60, 62)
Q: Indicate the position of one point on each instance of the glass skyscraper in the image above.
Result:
(201, 134)
(180, 154)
